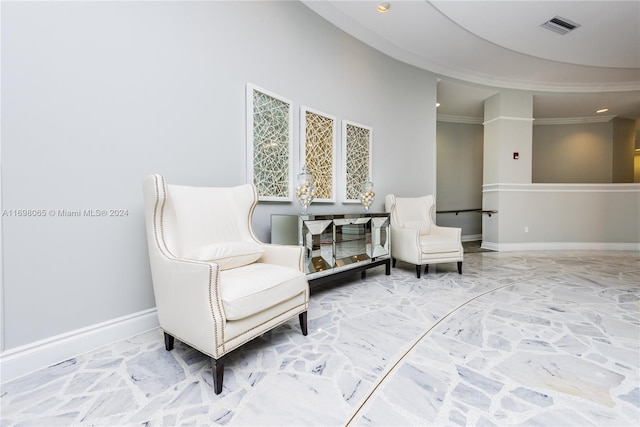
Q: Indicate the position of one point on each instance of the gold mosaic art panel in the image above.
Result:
(319, 152)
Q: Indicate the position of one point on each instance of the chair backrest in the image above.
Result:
(184, 218)
(406, 210)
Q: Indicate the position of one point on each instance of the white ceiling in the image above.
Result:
(479, 47)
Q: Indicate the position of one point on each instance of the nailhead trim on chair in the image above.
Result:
(215, 323)
(159, 180)
(158, 230)
(266, 321)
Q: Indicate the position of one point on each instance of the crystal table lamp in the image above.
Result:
(367, 195)
(306, 190)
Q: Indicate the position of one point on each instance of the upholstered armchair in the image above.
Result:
(216, 286)
(416, 239)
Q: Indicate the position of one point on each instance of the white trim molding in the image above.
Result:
(574, 120)
(536, 121)
(521, 119)
(20, 361)
(459, 119)
(560, 246)
(471, 237)
(561, 188)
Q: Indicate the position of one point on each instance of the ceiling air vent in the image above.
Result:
(560, 25)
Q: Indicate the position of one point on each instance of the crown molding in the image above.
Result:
(459, 119)
(554, 121)
(520, 119)
(574, 120)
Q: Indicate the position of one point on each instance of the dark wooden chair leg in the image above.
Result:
(168, 342)
(459, 267)
(418, 268)
(426, 269)
(393, 262)
(387, 268)
(303, 323)
(218, 374)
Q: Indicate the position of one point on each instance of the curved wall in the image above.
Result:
(96, 95)
(562, 216)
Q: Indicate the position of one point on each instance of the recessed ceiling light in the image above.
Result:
(602, 110)
(384, 7)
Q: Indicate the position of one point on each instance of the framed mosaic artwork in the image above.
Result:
(269, 144)
(318, 151)
(357, 158)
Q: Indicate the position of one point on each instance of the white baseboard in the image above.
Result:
(560, 246)
(20, 361)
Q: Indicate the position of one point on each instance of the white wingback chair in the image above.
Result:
(416, 239)
(216, 286)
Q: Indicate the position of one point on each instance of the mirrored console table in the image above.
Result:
(336, 244)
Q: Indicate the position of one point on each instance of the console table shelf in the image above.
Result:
(336, 245)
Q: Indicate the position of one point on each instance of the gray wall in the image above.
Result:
(563, 216)
(636, 157)
(573, 153)
(584, 153)
(459, 183)
(623, 150)
(96, 95)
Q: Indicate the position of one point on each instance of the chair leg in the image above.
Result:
(418, 269)
(168, 342)
(459, 267)
(393, 262)
(426, 268)
(218, 374)
(303, 323)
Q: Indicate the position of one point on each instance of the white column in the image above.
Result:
(508, 134)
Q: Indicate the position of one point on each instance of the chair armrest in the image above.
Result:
(452, 232)
(405, 244)
(188, 301)
(286, 255)
(412, 234)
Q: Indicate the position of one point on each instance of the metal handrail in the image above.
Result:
(457, 211)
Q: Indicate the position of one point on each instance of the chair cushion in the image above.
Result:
(423, 226)
(228, 255)
(255, 287)
(432, 244)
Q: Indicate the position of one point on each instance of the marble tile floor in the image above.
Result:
(520, 338)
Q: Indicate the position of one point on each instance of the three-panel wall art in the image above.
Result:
(274, 158)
